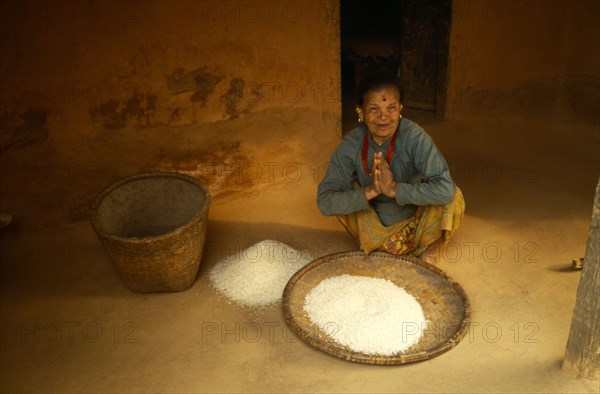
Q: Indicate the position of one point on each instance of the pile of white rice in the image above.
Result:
(256, 276)
(369, 315)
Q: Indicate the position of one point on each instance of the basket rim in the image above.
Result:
(345, 354)
(146, 175)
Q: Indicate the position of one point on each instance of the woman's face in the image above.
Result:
(381, 111)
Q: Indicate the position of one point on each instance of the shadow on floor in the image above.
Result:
(71, 261)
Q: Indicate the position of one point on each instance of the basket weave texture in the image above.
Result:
(444, 303)
(153, 227)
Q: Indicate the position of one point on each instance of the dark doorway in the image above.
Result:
(408, 37)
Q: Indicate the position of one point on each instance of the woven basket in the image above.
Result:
(153, 227)
(444, 303)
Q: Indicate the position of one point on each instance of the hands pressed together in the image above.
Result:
(383, 179)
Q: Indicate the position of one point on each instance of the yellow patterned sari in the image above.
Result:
(411, 236)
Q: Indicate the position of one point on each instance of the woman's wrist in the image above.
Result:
(392, 193)
(370, 192)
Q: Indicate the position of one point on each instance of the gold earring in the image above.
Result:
(360, 114)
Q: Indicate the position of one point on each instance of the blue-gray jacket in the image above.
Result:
(419, 169)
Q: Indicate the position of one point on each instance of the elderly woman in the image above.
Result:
(387, 182)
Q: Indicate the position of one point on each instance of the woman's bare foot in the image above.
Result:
(431, 255)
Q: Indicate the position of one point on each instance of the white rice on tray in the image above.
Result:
(369, 315)
(256, 276)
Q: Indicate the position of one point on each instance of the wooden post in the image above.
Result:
(583, 347)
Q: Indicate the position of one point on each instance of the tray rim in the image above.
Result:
(334, 350)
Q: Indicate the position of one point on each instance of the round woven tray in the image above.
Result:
(444, 303)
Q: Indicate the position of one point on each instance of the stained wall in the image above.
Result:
(112, 64)
(93, 91)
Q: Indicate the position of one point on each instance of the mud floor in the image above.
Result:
(70, 325)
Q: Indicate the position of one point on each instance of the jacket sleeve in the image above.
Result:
(436, 187)
(335, 195)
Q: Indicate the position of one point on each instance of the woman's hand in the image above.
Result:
(384, 178)
(373, 190)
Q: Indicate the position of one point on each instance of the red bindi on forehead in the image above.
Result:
(379, 97)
